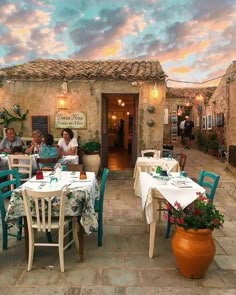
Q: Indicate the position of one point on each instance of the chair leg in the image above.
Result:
(168, 228)
(49, 236)
(19, 231)
(31, 249)
(71, 233)
(4, 226)
(61, 248)
(100, 234)
(4, 235)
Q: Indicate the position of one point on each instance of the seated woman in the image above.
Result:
(36, 144)
(67, 144)
(48, 150)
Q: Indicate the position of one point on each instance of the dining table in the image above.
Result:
(176, 189)
(80, 197)
(144, 163)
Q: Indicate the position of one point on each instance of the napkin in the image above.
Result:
(181, 183)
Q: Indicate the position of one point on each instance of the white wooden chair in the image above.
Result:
(43, 221)
(151, 153)
(24, 165)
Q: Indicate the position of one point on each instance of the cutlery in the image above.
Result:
(41, 185)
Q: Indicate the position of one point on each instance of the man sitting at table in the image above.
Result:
(11, 140)
(48, 150)
(36, 144)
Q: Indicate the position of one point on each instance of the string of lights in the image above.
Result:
(191, 82)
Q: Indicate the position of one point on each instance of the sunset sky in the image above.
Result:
(194, 40)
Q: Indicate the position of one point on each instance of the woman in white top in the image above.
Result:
(67, 144)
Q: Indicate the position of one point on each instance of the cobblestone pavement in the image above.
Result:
(122, 266)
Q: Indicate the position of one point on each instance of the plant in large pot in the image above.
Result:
(91, 156)
(193, 244)
(213, 144)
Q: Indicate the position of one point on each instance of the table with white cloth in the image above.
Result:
(145, 162)
(184, 194)
(80, 197)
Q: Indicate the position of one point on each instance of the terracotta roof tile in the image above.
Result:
(189, 92)
(77, 69)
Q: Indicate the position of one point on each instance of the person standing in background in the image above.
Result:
(121, 133)
(181, 127)
(188, 129)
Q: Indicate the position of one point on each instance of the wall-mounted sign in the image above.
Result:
(76, 120)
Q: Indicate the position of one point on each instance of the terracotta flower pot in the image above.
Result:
(194, 251)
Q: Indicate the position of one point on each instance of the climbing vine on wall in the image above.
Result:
(7, 117)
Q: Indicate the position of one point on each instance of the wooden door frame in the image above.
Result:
(104, 130)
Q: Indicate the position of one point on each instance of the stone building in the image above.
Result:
(223, 106)
(182, 102)
(96, 92)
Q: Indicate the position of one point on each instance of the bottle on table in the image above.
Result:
(158, 170)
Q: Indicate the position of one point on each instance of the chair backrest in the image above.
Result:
(209, 181)
(147, 168)
(23, 163)
(151, 153)
(12, 180)
(74, 167)
(47, 163)
(167, 150)
(43, 208)
(182, 161)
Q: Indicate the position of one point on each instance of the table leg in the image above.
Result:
(153, 229)
(81, 240)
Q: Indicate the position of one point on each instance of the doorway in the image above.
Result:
(119, 131)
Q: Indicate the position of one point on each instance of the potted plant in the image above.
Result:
(91, 156)
(193, 244)
(213, 144)
(91, 147)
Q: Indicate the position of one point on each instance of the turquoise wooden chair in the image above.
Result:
(98, 206)
(209, 181)
(11, 178)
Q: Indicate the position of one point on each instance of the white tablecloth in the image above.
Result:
(145, 163)
(151, 189)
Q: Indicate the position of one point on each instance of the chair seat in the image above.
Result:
(54, 222)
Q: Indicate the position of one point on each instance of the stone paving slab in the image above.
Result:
(122, 266)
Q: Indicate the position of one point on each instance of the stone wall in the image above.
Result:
(224, 101)
(41, 98)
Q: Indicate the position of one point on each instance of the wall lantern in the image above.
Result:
(155, 90)
(62, 102)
